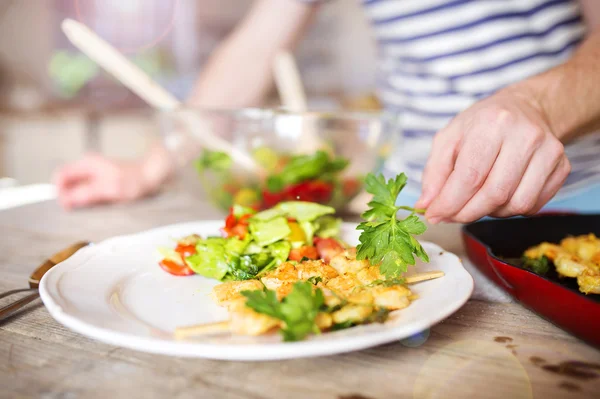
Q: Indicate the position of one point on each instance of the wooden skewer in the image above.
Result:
(224, 326)
(417, 278)
(201, 329)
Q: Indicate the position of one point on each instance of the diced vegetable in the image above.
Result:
(266, 233)
(211, 259)
(304, 211)
(305, 251)
(297, 234)
(253, 243)
(327, 226)
(175, 269)
(310, 178)
(328, 248)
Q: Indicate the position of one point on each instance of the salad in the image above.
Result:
(312, 178)
(286, 268)
(252, 243)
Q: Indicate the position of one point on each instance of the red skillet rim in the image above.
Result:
(489, 252)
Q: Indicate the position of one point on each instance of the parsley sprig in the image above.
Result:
(385, 240)
(298, 310)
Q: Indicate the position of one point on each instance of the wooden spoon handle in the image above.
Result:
(134, 78)
(54, 260)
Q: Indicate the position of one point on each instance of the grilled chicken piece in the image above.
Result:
(289, 273)
(346, 262)
(392, 298)
(284, 289)
(576, 257)
(229, 291)
(361, 297)
(586, 247)
(324, 321)
(352, 312)
(315, 268)
(589, 282)
(343, 285)
(569, 265)
(246, 321)
(332, 299)
(368, 275)
(286, 272)
(546, 249)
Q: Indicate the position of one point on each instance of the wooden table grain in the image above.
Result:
(485, 350)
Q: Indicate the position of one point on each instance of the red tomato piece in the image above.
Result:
(185, 250)
(244, 219)
(230, 221)
(312, 191)
(175, 269)
(239, 231)
(327, 248)
(236, 227)
(303, 252)
(270, 199)
(350, 187)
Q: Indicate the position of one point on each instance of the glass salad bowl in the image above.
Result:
(260, 157)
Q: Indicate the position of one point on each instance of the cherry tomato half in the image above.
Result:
(175, 269)
(328, 248)
(303, 252)
(185, 250)
(236, 227)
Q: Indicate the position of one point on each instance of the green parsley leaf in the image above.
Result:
(264, 302)
(385, 240)
(298, 310)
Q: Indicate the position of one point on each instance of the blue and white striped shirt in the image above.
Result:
(438, 57)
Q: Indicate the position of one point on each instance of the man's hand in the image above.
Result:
(499, 157)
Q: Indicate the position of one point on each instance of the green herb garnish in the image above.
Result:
(298, 310)
(385, 240)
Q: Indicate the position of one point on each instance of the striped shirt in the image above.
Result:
(438, 57)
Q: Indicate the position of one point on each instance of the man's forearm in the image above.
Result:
(239, 73)
(569, 95)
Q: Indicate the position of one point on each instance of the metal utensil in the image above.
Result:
(34, 279)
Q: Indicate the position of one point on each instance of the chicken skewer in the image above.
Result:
(350, 286)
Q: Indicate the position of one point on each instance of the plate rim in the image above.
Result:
(239, 352)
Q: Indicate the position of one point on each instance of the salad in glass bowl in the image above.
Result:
(350, 146)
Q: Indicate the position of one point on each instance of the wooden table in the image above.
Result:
(485, 350)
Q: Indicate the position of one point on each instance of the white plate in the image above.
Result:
(115, 292)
